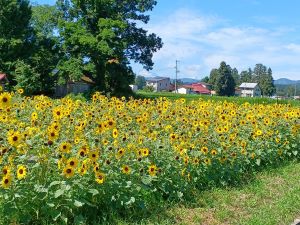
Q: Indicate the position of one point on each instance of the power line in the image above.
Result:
(176, 73)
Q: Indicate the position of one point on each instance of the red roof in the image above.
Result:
(2, 76)
(199, 88)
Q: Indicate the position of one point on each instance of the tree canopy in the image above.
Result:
(222, 80)
(140, 81)
(100, 38)
(41, 46)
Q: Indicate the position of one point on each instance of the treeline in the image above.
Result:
(41, 46)
(225, 79)
(288, 90)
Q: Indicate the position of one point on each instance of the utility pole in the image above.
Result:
(176, 73)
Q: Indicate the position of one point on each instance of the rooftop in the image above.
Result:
(248, 85)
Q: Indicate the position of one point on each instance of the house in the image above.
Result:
(237, 92)
(206, 85)
(74, 87)
(201, 88)
(185, 89)
(250, 90)
(3, 80)
(159, 83)
(196, 88)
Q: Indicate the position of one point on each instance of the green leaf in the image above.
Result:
(55, 214)
(78, 203)
(40, 189)
(93, 191)
(258, 162)
(54, 183)
(51, 205)
(132, 200)
(17, 195)
(146, 180)
(58, 193)
(179, 194)
(295, 152)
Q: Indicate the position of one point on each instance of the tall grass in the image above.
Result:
(239, 100)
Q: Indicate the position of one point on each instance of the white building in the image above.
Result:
(133, 87)
(250, 90)
(159, 83)
(185, 90)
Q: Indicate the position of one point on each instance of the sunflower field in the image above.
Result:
(68, 160)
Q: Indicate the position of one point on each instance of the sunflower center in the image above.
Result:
(6, 181)
(5, 171)
(68, 170)
(4, 99)
(15, 138)
(21, 171)
(72, 163)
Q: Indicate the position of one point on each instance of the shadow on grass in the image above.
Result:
(198, 197)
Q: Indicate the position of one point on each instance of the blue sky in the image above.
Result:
(202, 33)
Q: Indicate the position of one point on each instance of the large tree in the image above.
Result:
(225, 84)
(236, 76)
(264, 78)
(266, 83)
(28, 48)
(99, 38)
(213, 76)
(246, 76)
(15, 35)
(140, 81)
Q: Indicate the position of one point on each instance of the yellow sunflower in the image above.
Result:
(21, 172)
(14, 138)
(5, 99)
(152, 170)
(72, 162)
(65, 147)
(6, 170)
(6, 182)
(126, 169)
(68, 172)
(115, 133)
(100, 177)
(20, 91)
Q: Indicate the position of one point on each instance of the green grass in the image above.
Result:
(190, 97)
(273, 197)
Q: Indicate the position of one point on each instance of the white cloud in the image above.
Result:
(183, 24)
(293, 47)
(201, 42)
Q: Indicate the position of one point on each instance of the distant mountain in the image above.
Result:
(186, 80)
(284, 81)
